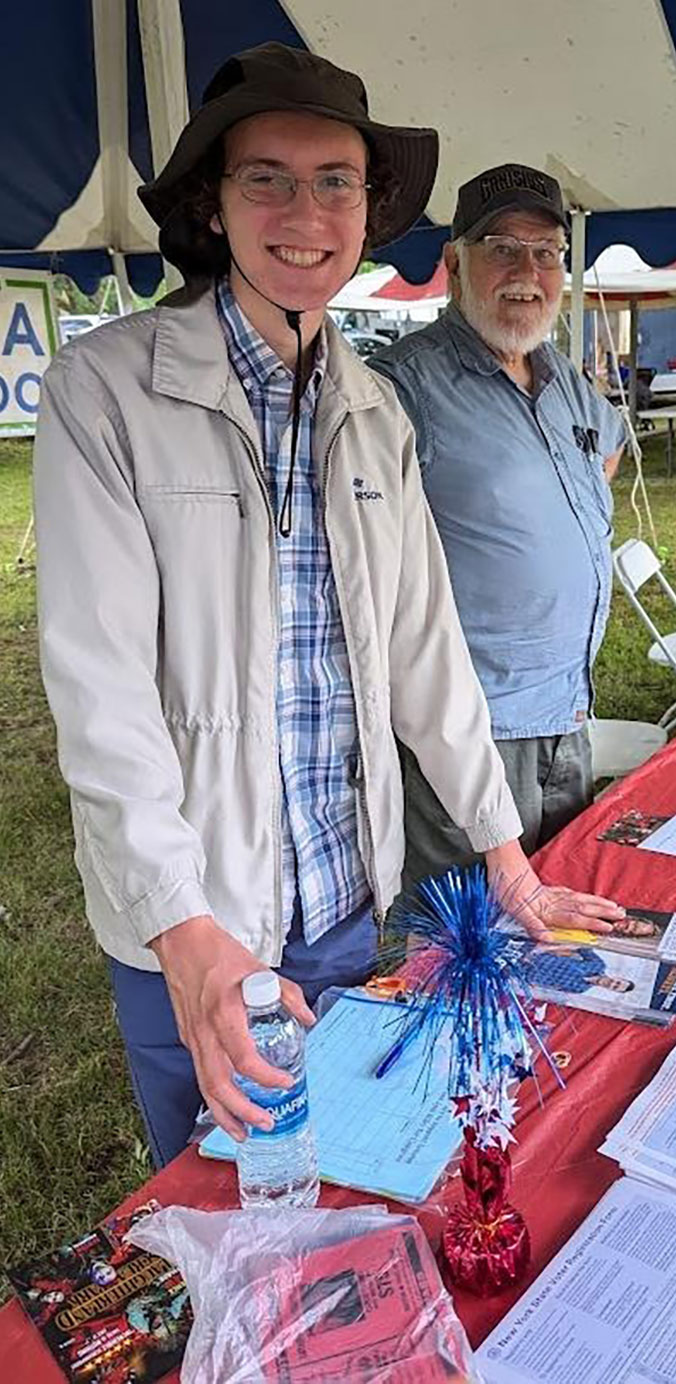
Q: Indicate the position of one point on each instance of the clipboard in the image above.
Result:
(393, 1136)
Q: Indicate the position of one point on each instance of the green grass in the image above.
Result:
(628, 686)
(70, 1142)
(69, 1138)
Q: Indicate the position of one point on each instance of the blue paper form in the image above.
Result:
(392, 1136)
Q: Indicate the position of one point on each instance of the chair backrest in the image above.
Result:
(634, 564)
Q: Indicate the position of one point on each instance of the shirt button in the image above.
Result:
(246, 384)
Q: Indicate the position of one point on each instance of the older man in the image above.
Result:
(516, 451)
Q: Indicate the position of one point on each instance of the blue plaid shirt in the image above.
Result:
(316, 718)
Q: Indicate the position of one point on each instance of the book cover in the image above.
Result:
(110, 1313)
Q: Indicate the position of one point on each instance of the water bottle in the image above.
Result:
(277, 1167)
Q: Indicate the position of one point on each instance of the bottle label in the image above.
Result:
(289, 1110)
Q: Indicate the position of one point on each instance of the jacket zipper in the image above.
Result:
(276, 803)
(369, 864)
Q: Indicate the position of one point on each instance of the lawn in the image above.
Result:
(70, 1142)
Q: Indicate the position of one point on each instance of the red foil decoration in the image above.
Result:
(486, 1241)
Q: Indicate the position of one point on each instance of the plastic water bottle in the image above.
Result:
(277, 1167)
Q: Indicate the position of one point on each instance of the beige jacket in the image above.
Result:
(157, 603)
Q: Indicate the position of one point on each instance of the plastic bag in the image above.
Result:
(292, 1297)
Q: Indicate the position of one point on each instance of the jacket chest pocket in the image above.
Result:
(190, 495)
(197, 531)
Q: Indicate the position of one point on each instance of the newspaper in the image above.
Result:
(603, 1311)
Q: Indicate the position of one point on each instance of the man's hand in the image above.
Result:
(204, 967)
(542, 908)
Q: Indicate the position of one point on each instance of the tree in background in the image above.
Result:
(72, 302)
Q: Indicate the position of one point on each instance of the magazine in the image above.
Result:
(594, 978)
(110, 1313)
(643, 932)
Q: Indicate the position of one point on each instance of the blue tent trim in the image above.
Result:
(48, 156)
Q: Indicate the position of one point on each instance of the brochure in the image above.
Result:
(596, 978)
(642, 932)
(643, 1141)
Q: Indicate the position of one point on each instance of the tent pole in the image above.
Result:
(124, 298)
(633, 358)
(163, 51)
(577, 239)
(110, 58)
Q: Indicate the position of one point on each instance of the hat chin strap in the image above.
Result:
(293, 316)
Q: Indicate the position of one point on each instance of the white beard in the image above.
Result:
(516, 338)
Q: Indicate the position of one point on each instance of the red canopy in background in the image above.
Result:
(403, 292)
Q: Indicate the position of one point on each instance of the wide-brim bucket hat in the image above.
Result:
(275, 77)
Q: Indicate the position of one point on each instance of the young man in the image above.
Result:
(243, 596)
(516, 451)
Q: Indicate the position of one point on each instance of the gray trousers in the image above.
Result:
(550, 777)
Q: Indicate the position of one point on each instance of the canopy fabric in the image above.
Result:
(397, 288)
(557, 86)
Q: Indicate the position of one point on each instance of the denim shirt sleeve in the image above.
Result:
(611, 427)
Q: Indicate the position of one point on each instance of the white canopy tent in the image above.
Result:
(555, 85)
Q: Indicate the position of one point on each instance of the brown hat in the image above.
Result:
(274, 77)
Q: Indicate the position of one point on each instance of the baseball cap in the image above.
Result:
(509, 187)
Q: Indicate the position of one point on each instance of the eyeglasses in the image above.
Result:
(505, 251)
(337, 190)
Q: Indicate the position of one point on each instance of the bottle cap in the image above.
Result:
(261, 989)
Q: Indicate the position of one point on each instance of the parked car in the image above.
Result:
(365, 343)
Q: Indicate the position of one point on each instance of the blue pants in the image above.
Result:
(161, 1068)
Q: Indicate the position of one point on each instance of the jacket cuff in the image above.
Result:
(495, 829)
(158, 912)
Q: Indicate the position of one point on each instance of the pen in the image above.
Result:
(401, 1044)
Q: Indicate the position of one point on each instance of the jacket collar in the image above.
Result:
(190, 360)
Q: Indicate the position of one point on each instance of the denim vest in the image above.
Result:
(516, 484)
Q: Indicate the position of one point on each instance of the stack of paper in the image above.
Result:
(644, 1140)
(393, 1135)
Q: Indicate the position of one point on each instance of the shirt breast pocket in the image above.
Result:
(600, 491)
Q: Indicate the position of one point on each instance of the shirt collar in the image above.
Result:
(476, 355)
(250, 353)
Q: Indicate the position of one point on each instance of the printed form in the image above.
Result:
(603, 1310)
(393, 1136)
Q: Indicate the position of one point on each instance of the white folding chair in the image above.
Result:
(619, 746)
(635, 564)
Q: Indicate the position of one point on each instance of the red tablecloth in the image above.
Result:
(558, 1176)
